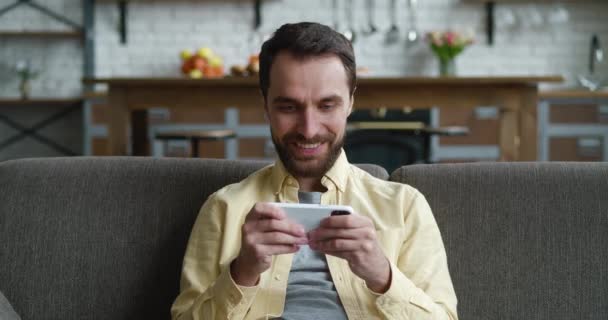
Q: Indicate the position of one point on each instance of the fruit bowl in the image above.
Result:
(203, 63)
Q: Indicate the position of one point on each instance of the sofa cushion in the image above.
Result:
(524, 241)
(102, 238)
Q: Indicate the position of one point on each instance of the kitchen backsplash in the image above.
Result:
(160, 29)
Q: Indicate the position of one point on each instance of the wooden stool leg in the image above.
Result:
(194, 147)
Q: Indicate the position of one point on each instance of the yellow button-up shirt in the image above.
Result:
(420, 287)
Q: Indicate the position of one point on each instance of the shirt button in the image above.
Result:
(277, 277)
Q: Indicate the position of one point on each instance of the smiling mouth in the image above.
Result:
(308, 145)
(306, 151)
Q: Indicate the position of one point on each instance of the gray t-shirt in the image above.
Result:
(311, 293)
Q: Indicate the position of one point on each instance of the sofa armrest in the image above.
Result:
(6, 310)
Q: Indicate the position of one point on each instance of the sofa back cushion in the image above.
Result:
(524, 241)
(103, 238)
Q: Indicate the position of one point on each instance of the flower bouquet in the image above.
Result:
(446, 46)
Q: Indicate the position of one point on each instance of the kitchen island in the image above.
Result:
(516, 97)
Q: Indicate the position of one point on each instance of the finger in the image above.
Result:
(278, 238)
(284, 226)
(265, 210)
(321, 234)
(272, 250)
(350, 221)
(341, 245)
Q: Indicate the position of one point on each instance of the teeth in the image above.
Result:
(308, 146)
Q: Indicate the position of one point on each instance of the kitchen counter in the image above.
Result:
(253, 81)
(517, 97)
(573, 93)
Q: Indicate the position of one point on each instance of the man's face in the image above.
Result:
(307, 104)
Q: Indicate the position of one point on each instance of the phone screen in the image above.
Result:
(340, 213)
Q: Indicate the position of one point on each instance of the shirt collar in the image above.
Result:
(337, 174)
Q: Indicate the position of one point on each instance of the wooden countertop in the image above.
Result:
(253, 81)
(517, 96)
(573, 93)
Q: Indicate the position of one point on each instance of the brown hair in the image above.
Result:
(304, 40)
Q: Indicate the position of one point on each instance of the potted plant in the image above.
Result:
(26, 74)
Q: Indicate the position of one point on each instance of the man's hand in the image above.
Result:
(353, 238)
(266, 232)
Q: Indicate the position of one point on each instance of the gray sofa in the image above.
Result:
(103, 238)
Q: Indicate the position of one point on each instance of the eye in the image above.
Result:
(327, 106)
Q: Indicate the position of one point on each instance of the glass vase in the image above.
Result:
(25, 87)
(447, 67)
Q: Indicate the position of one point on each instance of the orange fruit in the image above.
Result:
(199, 63)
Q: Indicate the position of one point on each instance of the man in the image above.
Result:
(246, 260)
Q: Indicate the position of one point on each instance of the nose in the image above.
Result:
(308, 124)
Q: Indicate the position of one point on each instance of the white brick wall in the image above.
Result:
(159, 29)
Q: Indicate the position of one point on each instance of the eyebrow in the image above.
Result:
(282, 99)
(332, 98)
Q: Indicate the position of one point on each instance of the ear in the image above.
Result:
(352, 101)
(266, 115)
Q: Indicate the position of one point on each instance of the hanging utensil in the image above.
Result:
(392, 35)
(412, 34)
(371, 9)
(350, 33)
(593, 80)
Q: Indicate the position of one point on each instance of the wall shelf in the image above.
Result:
(85, 33)
(47, 102)
(41, 34)
(123, 13)
(490, 8)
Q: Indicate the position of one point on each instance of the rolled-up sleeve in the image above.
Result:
(207, 290)
(421, 287)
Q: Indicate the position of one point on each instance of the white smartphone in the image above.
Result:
(310, 215)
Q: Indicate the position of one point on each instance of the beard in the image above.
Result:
(308, 167)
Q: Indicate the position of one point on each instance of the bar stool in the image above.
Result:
(195, 137)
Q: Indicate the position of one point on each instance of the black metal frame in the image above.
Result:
(88, 16)
(88, 31)
(44, 10)
(32, 131)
